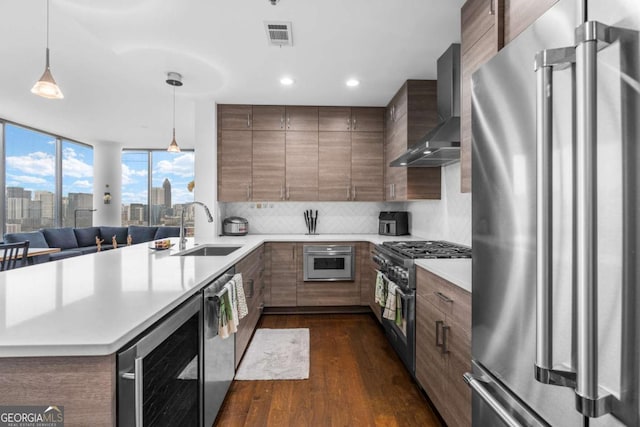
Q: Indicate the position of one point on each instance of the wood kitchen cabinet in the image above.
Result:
(234, 165)
(281, 263)
(301, 165)
(443, 345)
(334, 166)
(268, 117)
(482, 24)
(234, 117)
(268, 171)
(302, 118)
(252, 269)
(410, 115)
(351, 155)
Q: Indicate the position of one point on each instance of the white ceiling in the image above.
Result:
(110, 58)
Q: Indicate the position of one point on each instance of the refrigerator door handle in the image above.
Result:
(546, 62)
(591, 400)
(477, 384)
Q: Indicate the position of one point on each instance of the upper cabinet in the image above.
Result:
(271, 152)
(410, 115)
(482, 23)
(235, 117)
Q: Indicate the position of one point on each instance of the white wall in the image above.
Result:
(206, 163)
(445, 219)
(107, 170)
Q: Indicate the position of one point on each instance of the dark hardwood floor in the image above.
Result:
(355, 379)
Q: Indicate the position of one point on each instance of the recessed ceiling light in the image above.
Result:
(286, 81)
(353, 82)
(427, 151)
(403, 164)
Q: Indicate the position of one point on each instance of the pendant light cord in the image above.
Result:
(174, 111)
(47, 24)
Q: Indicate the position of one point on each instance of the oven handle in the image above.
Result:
(138, 389)
(332, 253)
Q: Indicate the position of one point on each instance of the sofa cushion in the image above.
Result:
(120, 232)
(35, 238)
(64, 254)
(88, 249)
(87, 236)
(140, 234)
(167, 231)
(63, 238)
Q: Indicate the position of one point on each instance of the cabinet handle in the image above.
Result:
(355, 194)
(288, 122)
(491, 9)
(348, 123)
(443, 297)
(355, 123)
(288, 193)
(282, 192)
(248, 191)
(248, 120)
(282, 121)
(293, 252)
(348, 193)
(251, 290)
(439, 323)
(445, 330)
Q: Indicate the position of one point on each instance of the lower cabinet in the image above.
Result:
(281, 266)
(252, 269)
(443, 345)
(368, 281)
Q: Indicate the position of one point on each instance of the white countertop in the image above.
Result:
(456, 271)
(94, 304)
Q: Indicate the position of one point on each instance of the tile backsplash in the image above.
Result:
(333, 217)
(445, 219)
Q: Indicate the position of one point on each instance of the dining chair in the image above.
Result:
(15, 255)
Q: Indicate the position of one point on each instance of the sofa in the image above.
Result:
(79, 241)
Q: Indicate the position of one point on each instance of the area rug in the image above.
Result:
(276, 354)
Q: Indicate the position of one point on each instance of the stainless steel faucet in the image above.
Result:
(183, 240)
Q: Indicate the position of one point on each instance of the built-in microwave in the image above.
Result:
(329, 263)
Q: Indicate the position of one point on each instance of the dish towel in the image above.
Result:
(243, 310)
(391, 304)
(399, 311)
(233, 303)
(223, 307)
(379, 295)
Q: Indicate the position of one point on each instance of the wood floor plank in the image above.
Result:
(355, 379)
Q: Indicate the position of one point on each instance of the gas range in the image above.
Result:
(397, 258)
(429, 249)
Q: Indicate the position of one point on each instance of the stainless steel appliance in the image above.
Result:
(235, 226)
(328, 263)
(395, 260)
(556, 117)
(441, 145)
(159, 374)
(218, 355)
(394, 223)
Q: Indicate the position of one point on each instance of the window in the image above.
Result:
(46, 179)
(159, 180)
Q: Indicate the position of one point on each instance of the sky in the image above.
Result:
(30, 163)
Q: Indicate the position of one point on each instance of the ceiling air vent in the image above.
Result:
(279, 33)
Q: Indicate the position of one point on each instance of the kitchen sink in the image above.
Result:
(210, 250)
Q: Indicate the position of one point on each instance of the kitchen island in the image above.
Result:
(64, 321)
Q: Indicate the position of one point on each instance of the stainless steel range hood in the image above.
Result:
(441, 145)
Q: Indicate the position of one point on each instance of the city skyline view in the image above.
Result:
(30, 187)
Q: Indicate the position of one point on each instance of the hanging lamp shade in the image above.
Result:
(174, 79)
(47, 87)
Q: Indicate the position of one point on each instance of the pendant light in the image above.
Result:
(46, 87)
(174, 79)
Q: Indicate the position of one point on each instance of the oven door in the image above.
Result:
(402, 335)
(328, 263)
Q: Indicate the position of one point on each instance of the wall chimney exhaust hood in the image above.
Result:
(441, 145)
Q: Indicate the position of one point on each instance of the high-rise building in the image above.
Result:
(47, 207)
(157, 196)
(166, 185)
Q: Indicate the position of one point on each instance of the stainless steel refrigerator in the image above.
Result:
(556, 202)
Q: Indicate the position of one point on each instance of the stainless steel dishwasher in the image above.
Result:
(218, 354)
